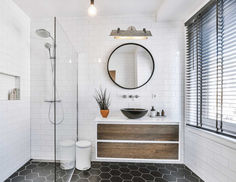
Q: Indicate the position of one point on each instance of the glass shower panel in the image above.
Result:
(66, 103)
(41, 100)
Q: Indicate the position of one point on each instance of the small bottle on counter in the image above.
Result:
(152, 112)
(162, 112)
(158, 113)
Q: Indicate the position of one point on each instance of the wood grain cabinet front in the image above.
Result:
(138, 132)
(137, 150)
(138, 141)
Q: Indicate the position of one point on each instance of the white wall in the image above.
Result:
(91, 38)
(14, 115)
(210, 156)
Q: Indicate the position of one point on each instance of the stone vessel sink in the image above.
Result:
(134, 113)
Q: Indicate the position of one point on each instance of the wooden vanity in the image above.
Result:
(144, 139)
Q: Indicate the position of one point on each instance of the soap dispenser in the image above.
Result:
(152, 112)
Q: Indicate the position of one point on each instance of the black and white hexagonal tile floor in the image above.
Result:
(106, 172)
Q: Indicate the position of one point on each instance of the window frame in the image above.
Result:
(221, 125)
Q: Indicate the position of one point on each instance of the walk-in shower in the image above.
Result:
(56, 84)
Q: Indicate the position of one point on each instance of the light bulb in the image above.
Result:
(92, 11)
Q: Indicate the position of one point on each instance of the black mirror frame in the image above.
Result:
(136, 45)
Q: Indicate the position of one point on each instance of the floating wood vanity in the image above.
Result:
(146, 139)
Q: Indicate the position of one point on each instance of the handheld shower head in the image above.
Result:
(46, 34)
(43, 33)
(47, 45)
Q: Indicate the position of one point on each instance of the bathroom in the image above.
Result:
(56, 57)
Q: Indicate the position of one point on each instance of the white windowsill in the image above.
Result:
(223, 140)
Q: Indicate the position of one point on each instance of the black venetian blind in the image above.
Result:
(211, 68)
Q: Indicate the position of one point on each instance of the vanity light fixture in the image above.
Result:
(92, 10)
(131, 33)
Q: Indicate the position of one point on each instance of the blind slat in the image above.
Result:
(211, 67)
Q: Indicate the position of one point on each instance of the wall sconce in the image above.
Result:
(131, 33)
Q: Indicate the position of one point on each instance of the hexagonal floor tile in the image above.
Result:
(105, 172)
(115, 172)
(116, 179)
(105, 175)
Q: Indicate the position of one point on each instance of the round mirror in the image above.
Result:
(130, 66)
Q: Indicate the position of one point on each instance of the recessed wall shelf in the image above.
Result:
(9, 86)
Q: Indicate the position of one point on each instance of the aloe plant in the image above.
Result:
(102, 98)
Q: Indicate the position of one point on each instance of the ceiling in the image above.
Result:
(163, 9)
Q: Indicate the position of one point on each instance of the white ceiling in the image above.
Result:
(163, 9)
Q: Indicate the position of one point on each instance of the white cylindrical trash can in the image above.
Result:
(83, 155)
(67, 157)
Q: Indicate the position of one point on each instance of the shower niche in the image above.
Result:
(10, 86)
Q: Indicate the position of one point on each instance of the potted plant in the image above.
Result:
(103, 100)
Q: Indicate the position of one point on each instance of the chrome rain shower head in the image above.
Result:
(43, 33)
(46, 34)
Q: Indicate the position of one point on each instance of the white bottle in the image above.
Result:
(152, 112)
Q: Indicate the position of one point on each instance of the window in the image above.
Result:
(211, 68)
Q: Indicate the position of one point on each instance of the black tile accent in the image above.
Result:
(18, 179)
(169, 177)
(115, 172)
(114, 166)
(95, 172)
(156, 174)
(105, 175)
(132, 167)
(124, 169)
(144, 170)
(164, 171)
(137, 172)
(116, 179)
(148, 177)
(105, 169)
(106, 172)
(192, 178)
(182, 180)
(84, 174)
(152, 168)
(40, 172)
(94, 178)
(138, 179)
(160, 180)
(126, 176)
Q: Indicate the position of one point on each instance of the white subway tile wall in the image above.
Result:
(209, 156)
(90, 37)
(14, 115)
